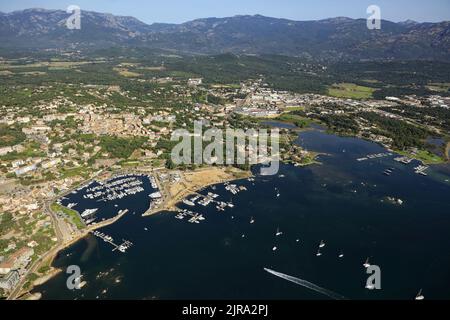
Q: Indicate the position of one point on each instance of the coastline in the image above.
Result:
(191, 183)
(447, 151)
(194, 181)
(50, 256)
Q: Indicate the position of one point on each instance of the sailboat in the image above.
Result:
(366, 264)
(322, 244)
(252, 221)
(318, 254)
(420, 296)
(279, 233)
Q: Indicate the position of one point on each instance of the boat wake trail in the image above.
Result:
(306, 284)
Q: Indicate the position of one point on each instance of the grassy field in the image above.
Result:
(291, 108)
(71, 214)
(153, 68)
(52, 64)
(439, 87)
(297, 120)
(351, 91)
(126, 73)
(425, 156)
(74, 172)
(130, 163)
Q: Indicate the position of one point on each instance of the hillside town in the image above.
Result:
(61, 143)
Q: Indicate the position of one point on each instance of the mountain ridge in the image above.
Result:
(331, 38)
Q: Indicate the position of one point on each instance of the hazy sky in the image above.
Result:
(177, 11)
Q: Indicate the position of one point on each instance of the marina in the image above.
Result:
(206, 200)
(98, 201)
(123, 247)
(122, 186)
(315, 206)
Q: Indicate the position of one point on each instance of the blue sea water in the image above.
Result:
(340, 201)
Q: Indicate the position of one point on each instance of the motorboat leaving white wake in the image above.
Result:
(307, 284)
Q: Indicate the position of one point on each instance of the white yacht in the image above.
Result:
(189, 203)
(88, 212)
(90, 221)
(420, 296)
(370, 287)
(71, 205)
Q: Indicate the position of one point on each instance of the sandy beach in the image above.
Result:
(193, 181)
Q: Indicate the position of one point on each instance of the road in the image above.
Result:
(34, 267)
(63, 234)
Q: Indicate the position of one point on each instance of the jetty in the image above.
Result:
(375, 156)
(123, 247)
(404, 160)
(194, 217)
(421, 170)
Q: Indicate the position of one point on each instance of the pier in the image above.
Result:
(195, 217)
(208, 199)
(375, 156)
(106, 238)
(404, 160)
(421, 170)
